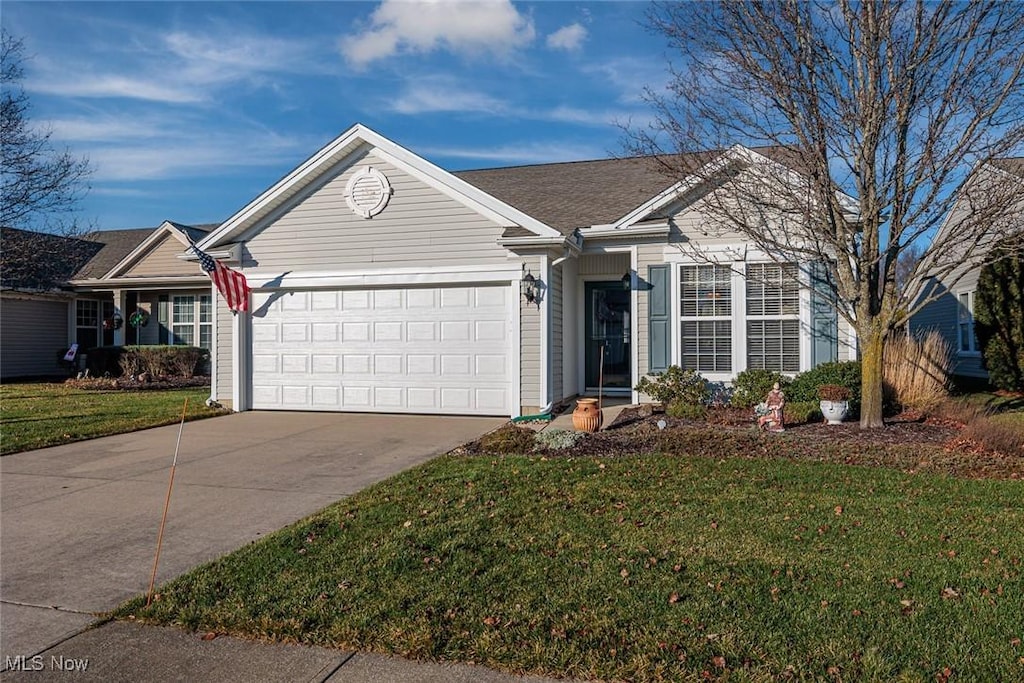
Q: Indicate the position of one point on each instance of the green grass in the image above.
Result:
(44, 414)
(642, 568)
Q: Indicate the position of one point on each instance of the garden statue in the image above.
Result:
(770, 413)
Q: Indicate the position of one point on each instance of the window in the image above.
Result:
(192, 321)
(773, 317)
(87, 323)
(706, 305)
(965, 323)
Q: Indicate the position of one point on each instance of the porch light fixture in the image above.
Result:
(529, 287)
(627, 281)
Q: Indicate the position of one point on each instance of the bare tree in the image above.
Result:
(41, 186)
(874, 117)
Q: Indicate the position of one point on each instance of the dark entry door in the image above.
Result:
(607, 331)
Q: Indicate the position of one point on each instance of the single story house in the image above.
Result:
(951, 310)
(58, 291)
(381, 282)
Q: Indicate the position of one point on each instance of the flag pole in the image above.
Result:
(167, 504)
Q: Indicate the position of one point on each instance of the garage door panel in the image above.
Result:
(440, 349)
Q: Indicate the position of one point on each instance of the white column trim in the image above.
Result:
(515, 356)
(239, 362)
(634, 327)
(545, 334)
(214, 350)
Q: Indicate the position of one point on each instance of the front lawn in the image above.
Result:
(48, 414)
(652, 567)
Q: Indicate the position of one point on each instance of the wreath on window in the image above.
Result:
(138, 319)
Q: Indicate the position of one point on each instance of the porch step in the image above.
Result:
(564, 421)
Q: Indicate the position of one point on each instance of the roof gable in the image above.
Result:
(326, 161)
(156, 243)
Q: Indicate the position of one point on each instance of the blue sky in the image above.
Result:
(189, 110)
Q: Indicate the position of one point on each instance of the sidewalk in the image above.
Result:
(121, 651)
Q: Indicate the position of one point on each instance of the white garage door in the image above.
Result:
(416, 350)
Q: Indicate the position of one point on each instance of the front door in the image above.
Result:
(607, 331)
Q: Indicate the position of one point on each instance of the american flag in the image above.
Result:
(230, 283)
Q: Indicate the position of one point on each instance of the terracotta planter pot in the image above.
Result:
(587, 416)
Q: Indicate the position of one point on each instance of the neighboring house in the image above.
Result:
(384, 283)
(59, 291)
(951, 312)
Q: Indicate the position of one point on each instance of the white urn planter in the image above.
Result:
(834, 411)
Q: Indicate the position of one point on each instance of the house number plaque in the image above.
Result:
(368, 192)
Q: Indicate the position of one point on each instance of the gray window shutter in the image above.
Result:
(658, 323)
(163, 318)
(824, 319)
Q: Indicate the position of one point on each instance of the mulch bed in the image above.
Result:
(909, 442)
(133, 384)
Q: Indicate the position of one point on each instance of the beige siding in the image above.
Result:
(604, 264)
(224, 326)
(419, 227)
(557, 336)
(32, 334)
(162, 259)
(568, 350)
(529, 348)
(647, 255)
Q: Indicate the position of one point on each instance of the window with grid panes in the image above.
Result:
(965, 319)
(706, 317)
(192, 321)
(773, 317)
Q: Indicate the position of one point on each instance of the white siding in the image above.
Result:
(420, 226)
(32, 334)
(557, 336)
(529, 348)
(223, 319)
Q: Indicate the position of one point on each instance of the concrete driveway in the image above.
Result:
(78, 523)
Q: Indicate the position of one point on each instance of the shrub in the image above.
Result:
(916, 371)
(686, 411)
(557, 439)
(999, 319)
(802, 412)
(508, 440)
(676, 385)
(163, 361)
(752, 386)
(833, 392)
(104, 360)
(804, 386)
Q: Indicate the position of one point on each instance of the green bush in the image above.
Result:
(676, 385)
(104, 360)
(802, 412)
(999, 320)
(686, 411)
(804, 387)
(752, 386)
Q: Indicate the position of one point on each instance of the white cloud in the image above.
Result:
(422, 26)
(82, 84)
(534, 152)
(443, 95)
(569, 38)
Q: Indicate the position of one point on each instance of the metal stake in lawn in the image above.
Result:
(167, 504)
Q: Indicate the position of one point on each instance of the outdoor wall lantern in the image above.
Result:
(627, 281)
(529, 287)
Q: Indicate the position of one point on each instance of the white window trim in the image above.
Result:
(802, 326)
(973, 351)
(737, 322)
(739, 303)
(197, 324)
